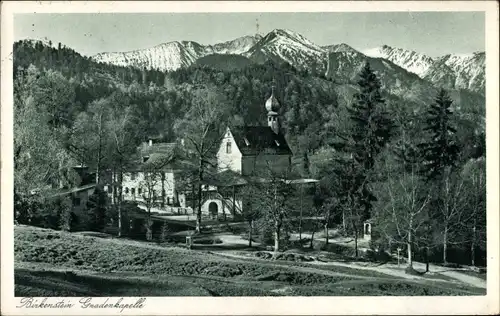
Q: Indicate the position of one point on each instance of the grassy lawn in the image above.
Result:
(474, 274)
(53, 263)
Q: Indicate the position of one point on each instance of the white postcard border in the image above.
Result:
(488, 304)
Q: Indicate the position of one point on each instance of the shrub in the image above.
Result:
(25, 208)
(164, 232)
(265, 233)
(97, 210)
(63, 207)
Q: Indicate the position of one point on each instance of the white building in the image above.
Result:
(152, 181)
(248, 151)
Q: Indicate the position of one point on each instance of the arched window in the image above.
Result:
(126, 190)
(228, 147)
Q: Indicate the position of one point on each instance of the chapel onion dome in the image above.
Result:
(272, 104)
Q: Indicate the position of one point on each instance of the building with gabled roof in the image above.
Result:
(165, 161)
(251, 150)
(247, 153)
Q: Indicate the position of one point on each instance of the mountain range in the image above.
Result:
(337, 61)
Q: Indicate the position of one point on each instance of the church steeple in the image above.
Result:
(272, 107)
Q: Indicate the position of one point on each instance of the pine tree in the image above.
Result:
(370, 130)
(439, 156)
(441, 150)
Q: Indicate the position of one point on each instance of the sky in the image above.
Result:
(432, 33)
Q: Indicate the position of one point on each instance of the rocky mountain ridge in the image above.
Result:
(452, 71)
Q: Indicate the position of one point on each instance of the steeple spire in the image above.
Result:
(272, 107)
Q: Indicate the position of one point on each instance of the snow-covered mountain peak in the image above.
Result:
(174, 55)
(288, 46)
(410, 60)
(342, 47)
(468, 69)
(286, 36)
(237, 46)
(465, 71)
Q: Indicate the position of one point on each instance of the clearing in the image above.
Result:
(54, 263)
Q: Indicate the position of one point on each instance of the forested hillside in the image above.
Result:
(70, 109)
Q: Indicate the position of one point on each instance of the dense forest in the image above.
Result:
(417, 169)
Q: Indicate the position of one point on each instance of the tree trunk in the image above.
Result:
(193, 200)
(311, 244)
(300, 218)
(149, 228)
(344, 225)
(223, 207)
(326, 232)
(250, 229)
(445, 244)
(427, 243)
(276, 238)
(234, 201)
(473, 245)
(198, 213)
(327, 220)
(355, 239)
(120, 196)
(408, 244)
(119, 219)
(162, 189)
(99, 149)
(112, 186)
(427, 259)
(410, 259)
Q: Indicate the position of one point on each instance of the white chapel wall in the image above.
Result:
(232, 160)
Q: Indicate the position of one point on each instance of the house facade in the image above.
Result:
(153, 180)
(248, 151)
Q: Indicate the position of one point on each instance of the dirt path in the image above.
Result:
(395, 271)
(389, 272)
(302, 268)
(454, 274)
(471, 280)
(267, 263)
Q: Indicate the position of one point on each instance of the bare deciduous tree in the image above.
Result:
(202, 127)
(123, 148)
(404, 212)
(275, 192)
(153, 173)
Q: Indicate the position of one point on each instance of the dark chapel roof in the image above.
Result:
(254, 140)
